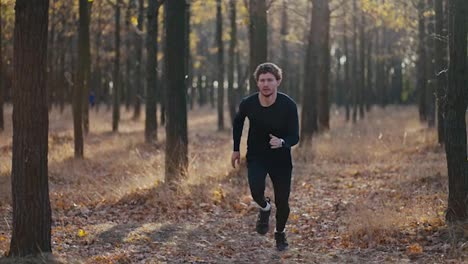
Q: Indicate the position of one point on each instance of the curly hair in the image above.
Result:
(268, 67)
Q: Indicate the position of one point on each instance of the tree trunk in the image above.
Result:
(151, 123)
(323, 70)
(338, 81)
(86, 67)
(201, 89)
(188, 60)
(29, 176)
(220, 69)
(127, 90)
(397, 79)
(421, 63)
(164, 84)
(455, 122)
(369, 75)
(314, 62)
(116, 77)
(355, 73)
(51, 88)
(347, 86)
(362, 67)
(431, 76)
(98, 91)
(232, 98)
(176, 127)
(257, 37)
(284, 49)
(61, 80)
(2, 89)
(81, 82)
(440, 66)
(138, 62)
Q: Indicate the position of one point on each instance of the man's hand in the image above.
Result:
(235, 157)
(275, 142)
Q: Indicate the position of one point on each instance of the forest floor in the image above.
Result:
(372, 192)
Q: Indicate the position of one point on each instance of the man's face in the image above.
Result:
(267, 84)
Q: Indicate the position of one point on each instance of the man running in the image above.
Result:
(274, 129)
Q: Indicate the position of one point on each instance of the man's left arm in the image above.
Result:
(292, 137)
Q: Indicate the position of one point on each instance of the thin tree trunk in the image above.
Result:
(347, 86)
(97, 67)
(29, 175)
(440, 66)
(369, 75)
(362, 67)
(188, 60)
(421, 63)
(284, 49)
(232, 98)
(116, 77)
(86, 67)
(151, 124)
(78, 87)
(127, 91)
(2, 89)
(355, 76)
(431, 76)
(138, 62)
(338, 81)
(220, 69)
(323, 66)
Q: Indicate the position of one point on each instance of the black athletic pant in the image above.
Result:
(281, 179)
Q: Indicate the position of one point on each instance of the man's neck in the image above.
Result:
(267, 101)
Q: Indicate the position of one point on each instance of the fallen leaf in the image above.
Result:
(414, 249)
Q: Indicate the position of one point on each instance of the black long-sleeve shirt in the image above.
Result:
(279, 119)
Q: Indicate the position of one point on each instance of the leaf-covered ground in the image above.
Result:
(372, 192)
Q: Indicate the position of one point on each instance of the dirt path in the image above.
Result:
(369, 193)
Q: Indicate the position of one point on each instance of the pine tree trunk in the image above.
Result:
(2, 89)
(176, 127)
(431, 76)
(441, 83)
(188, 60)
(232, 98)
(421, 63)
(220, 69)
(355, 76)
(323, 106)
(369, 75)
(116, 77)
(51, 88)
(284, 50)
(127, 90)
(314, 62)
(151, 124)
(347, 86)
(138, 62)
(98, 91)
(362, 67)
(85, 64)
(455, 122)
(78, 88)
(257, 38)
(29, 176)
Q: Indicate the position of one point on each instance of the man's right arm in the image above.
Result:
(238, 125)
